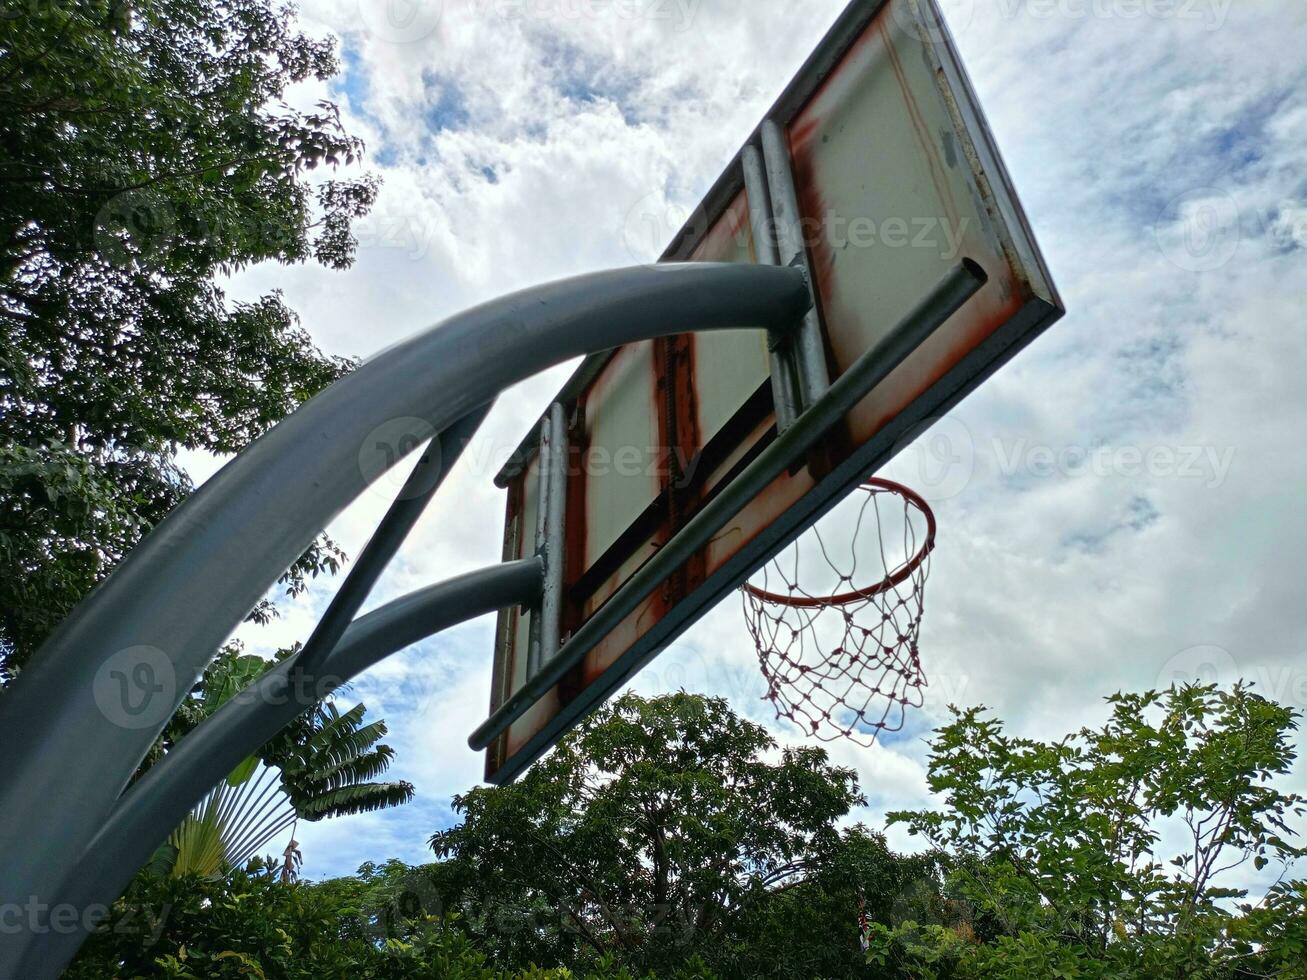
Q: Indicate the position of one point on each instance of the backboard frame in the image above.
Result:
(700, 590)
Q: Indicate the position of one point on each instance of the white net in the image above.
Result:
(836, 616)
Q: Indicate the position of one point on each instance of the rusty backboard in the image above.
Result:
(897, 180)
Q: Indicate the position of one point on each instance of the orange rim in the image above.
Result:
(889, 582)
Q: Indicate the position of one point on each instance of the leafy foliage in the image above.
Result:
(1058, 849)
(230, 672)
(329, 762)
(144, 150)
(252, 924)
(665, 833)
(1026, 880)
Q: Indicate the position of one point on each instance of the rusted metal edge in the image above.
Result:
(986, 160)
(847, 28)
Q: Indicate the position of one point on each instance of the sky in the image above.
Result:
(1120, 507)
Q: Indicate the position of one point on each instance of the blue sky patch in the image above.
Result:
(446, 105)
(585, 78)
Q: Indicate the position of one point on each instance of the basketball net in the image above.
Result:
(836, 616)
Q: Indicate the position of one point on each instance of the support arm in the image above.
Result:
(162, 797)
(160, 616)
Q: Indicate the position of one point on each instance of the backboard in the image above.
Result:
(880, 147)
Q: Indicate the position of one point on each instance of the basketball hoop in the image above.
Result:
(840, 659)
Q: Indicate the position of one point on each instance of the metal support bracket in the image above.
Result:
(144, 815)
(780, 347)
(808, 345)
(173, 601)
(551, 517)
(427, 477)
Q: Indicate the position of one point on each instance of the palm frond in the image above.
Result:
(330, 770)
(218, 833)
(321, 766)
(357, 799)
(356, 769)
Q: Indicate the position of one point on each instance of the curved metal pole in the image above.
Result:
(163, 796)
(144, 819)
(159, 617)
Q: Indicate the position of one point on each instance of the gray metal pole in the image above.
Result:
(551, 483)
(780, 347)
(809, 348)
(554, 461)
(147, 813)
(73, 731)
(852, 386)
(427, 476)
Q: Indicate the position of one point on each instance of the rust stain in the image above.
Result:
(506, 628)
(808, 120)
(688, 444)
(937, 175)
(812, 207)
(807, 125)
(678, 443)
(802, 131)
(665, 412)
(721, 240)
(821, 262)
(941, 353)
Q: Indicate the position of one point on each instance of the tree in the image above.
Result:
(144, 150)
(251, 924)
(1062, 851)
(326, 762)
(809, 928)
(664, 830)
